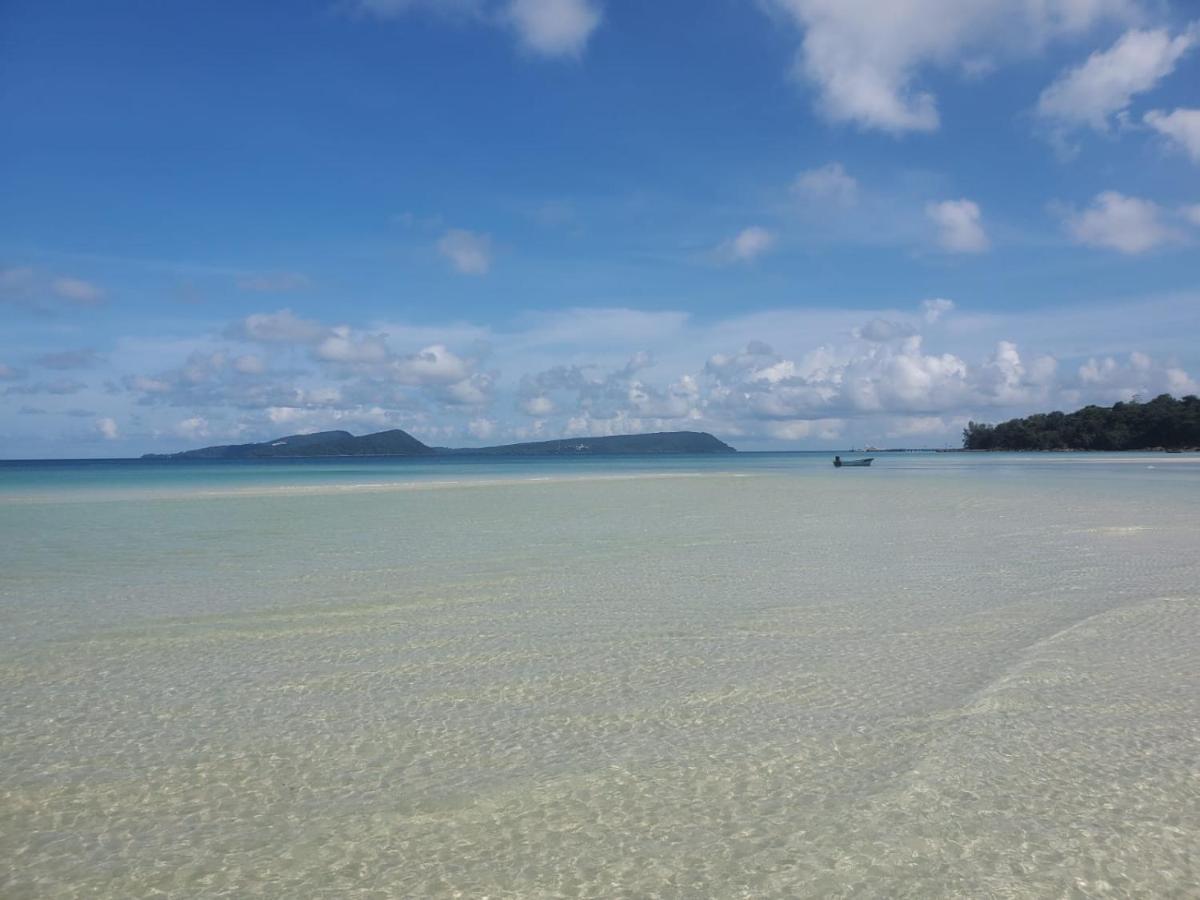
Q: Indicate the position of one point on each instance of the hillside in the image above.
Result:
(660, 442)
(401, 443)
(323, 443)
(1162, 423)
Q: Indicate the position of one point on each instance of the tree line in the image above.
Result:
(1163, 422)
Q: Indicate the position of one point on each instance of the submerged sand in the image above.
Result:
(917, 685)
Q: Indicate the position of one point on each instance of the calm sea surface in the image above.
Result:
(747, 676)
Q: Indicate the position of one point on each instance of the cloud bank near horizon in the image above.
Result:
(817, 377)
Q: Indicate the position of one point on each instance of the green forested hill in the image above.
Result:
(1162, 422)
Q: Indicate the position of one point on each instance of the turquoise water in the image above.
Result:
(67, 477)
(946, 675)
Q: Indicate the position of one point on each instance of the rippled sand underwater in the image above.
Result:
(882, 685)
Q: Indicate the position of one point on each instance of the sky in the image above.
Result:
(796, 224)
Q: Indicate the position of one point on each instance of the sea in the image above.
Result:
(946, 675)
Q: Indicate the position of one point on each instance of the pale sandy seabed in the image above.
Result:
(661, 687)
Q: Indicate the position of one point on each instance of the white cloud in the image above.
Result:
(78, 291)
(1181, 127)
(960, 224)
(747, 245)
(432, 365)
(539, 406)
(249, 364)
(107, 427)
(918, 426)
(192, 429)
(474, 392)
(341, 346)
(469, 253)
(866, 56)
(1108, 379)
(281, 327)
(8, 373)
(806, 429)
(42, 290)
(1105, 84)
(1191, 213)
(617, 371)
(934, 309)
(1116, 222)
(553, 27)
(481, 428)
(549, 28)
(883, 330)
(829, 182)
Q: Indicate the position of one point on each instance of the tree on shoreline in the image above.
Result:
(1163, 422)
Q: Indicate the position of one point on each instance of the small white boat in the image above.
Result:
(838, 462)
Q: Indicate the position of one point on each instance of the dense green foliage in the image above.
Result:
(401, 443)
(1163, 422)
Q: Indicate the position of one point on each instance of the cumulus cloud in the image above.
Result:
(553, 27)
(47, 292)
(865, 57)
(934, 309)
(843, 376)
(8, 373)
(281, 327)
(249, 364)
(538, 406)
(1181, 127)
(77, 291)
(107, 428)
(342, 346)
(193, 429)
(481, 428)
(1109, 379)
(960, 226)
(604, 401)
(830, 183)
(747, 245)
(806, 429)
(883, 330)
(434, 364)
(469, 253)
(1116, 222)
(548, 28)
(1104, 85)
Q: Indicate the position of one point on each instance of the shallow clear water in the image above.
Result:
(947, 675)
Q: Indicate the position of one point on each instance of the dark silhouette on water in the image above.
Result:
(401, 443)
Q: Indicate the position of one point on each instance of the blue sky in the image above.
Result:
(793, 223)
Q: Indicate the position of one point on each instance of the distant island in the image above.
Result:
(1163, 423)
(401, 443)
